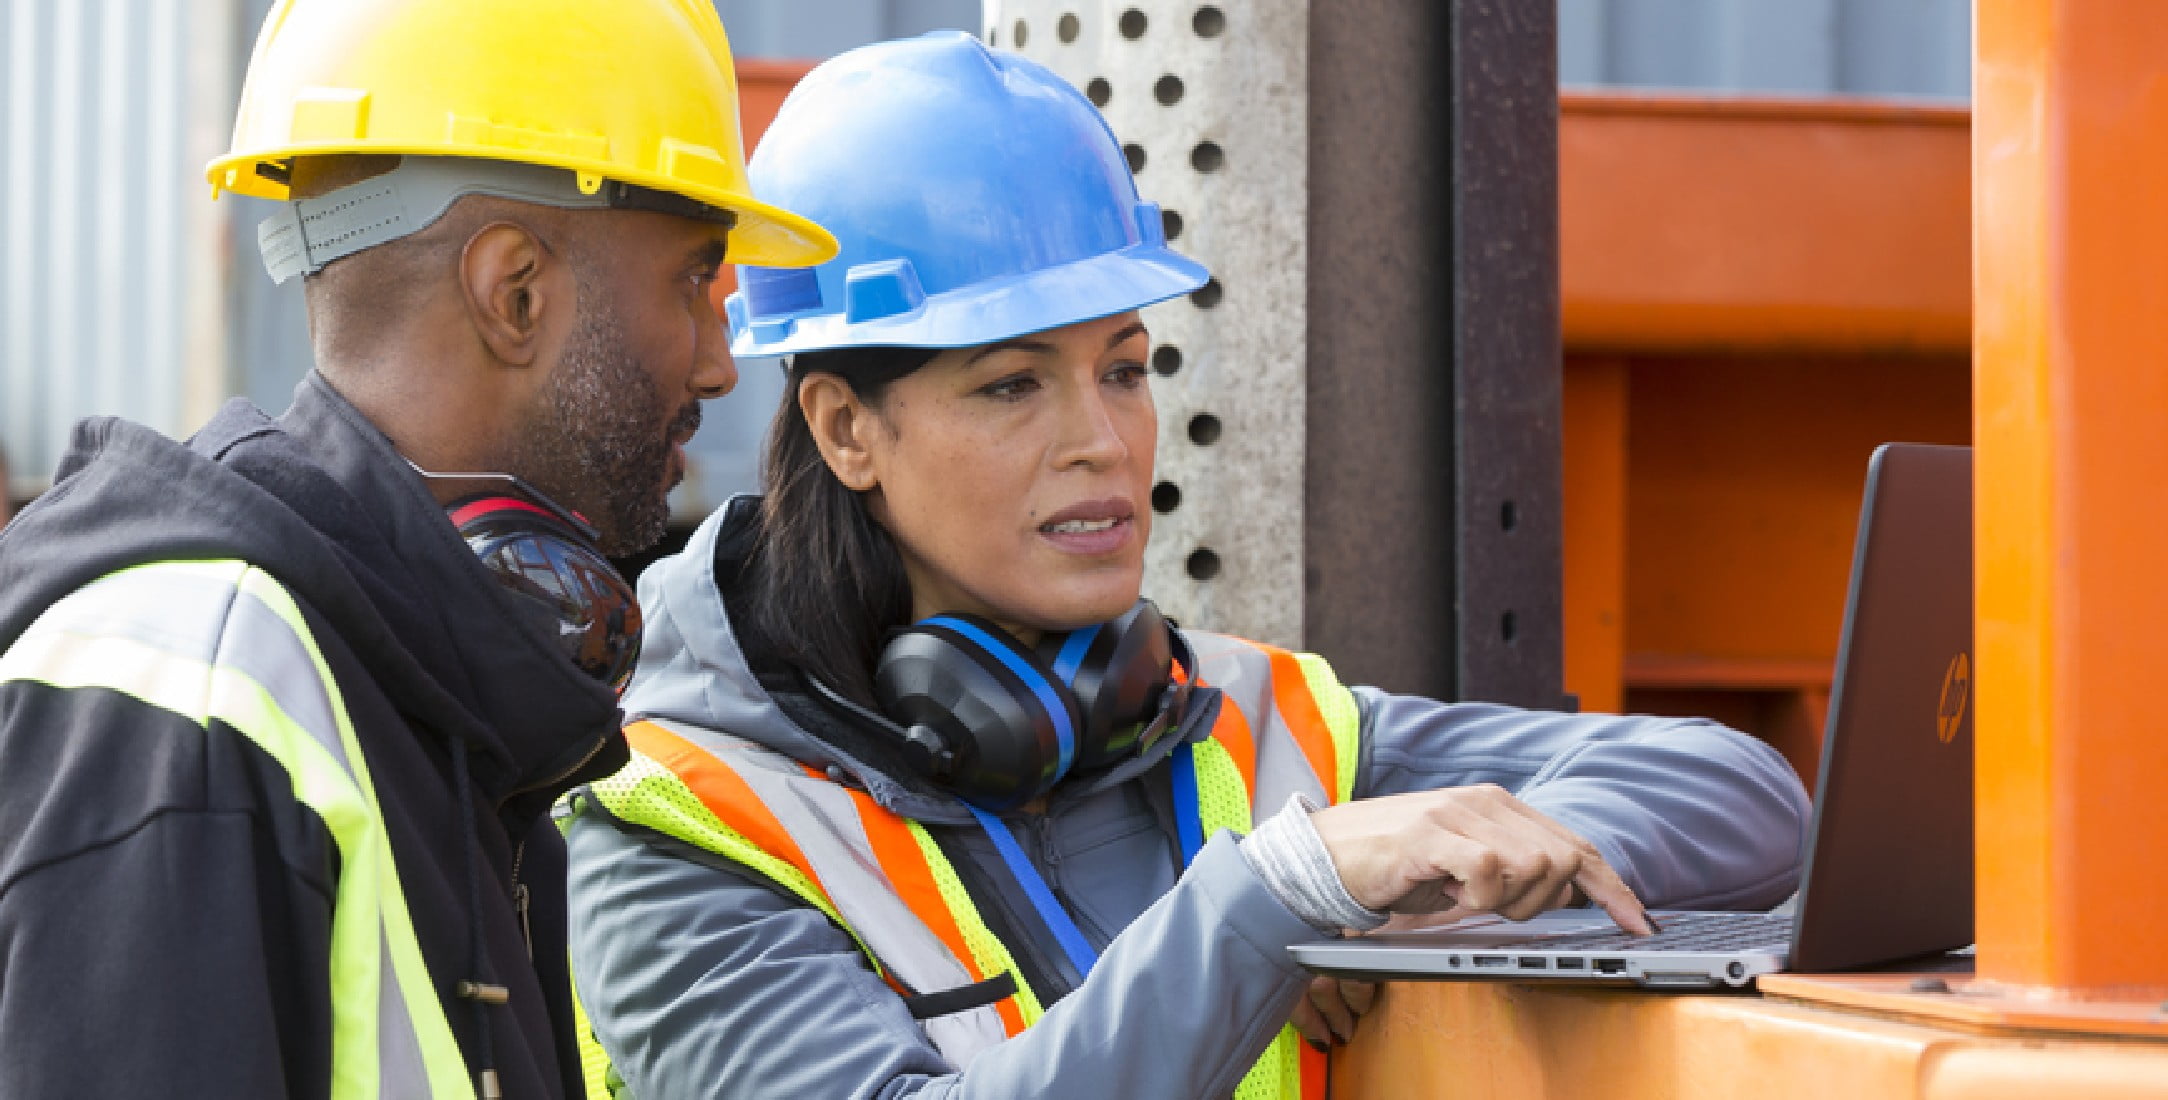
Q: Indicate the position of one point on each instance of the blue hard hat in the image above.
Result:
(977, 196)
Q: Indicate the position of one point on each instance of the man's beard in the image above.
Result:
(596, 440)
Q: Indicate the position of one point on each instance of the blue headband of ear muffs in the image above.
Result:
(1000, 723)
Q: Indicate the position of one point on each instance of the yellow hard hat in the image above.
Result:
(641, 92)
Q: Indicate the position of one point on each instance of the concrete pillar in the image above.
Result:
(1209, 101)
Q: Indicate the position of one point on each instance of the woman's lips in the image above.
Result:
(1101, 537)
(1092, 527)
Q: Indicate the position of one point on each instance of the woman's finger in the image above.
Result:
(1324, 995)
(1309, 1024)
(1359, 995)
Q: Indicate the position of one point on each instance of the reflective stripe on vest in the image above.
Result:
(221, 640)
(1285, 725)
(760, 809)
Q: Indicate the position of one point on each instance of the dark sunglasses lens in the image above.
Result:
(598, 616)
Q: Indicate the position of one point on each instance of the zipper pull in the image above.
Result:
(519, 904)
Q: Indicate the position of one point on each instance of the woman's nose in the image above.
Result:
(1090, 435)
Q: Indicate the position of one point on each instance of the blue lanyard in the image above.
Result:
(1189, 828)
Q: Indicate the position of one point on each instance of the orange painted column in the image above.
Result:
(2070, 400)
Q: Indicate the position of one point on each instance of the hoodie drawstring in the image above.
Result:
(478, 990)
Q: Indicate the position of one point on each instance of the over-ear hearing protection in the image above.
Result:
(1000, 723)
(549, 557)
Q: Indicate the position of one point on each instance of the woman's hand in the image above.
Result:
(1472, 849)
(1328, 1009)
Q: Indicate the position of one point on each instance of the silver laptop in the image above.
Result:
(1889, 863)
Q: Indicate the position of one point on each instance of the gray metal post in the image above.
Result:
(1432, 526)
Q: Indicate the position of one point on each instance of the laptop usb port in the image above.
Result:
(1610, 966)
(1533, 962)
(1572, 964)
(1490, 960)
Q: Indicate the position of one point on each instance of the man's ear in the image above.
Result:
(506, 274)
(841, 425)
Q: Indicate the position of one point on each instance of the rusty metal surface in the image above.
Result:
(1434, 366)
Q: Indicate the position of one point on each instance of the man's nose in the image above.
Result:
(715, 370)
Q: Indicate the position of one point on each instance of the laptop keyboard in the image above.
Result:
(1686, 932)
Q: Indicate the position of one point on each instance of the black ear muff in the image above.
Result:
(1118, 671)
(565, 585)
(1008, 728)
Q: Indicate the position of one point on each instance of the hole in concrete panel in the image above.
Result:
(1166, 497)
(1506, 626)
(1168, 91)
(1207, 157)
(1508, 518)
(1203, 564)
(1166, 359)
(1067, 27)
(1134, 154)
(1133, 23)
(993, 36)
(1021, 34)
(1098, 91)
(1208, 22)
(1170, 223)
(1207, 295)
(1204, 429)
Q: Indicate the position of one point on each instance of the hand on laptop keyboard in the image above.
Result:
(1477, 849)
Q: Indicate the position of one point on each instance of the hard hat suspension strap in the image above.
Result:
(307, 234)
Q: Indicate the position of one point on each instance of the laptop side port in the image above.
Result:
(1610, 966)
(1534, 962)
(1570, 963)
(1490, 960)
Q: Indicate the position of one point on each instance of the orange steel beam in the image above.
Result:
(1726, 225)
(2071, 424)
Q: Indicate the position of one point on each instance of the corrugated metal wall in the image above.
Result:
(122, 290)
(100, 160)
(1809, 47)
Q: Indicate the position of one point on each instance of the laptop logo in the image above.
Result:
(1956, 692)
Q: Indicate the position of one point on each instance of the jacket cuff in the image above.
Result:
(1288, 854)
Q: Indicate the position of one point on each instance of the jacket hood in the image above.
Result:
(695, 670)
(321, 500)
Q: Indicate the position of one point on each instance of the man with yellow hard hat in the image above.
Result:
(283, 708)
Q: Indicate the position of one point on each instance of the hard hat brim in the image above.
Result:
(765, 235)
(989, 312)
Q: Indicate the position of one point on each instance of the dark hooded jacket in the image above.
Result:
(165, 901)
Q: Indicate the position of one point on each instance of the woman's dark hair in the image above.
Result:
(828, 581)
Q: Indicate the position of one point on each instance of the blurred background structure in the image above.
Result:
(1763, 257)
(125, 291)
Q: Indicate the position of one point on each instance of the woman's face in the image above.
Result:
(1014, 477)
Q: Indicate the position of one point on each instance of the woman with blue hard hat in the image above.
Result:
(924, 800)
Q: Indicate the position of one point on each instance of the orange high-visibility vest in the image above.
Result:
(1285, 725)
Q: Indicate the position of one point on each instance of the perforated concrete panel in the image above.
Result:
(1209, 102)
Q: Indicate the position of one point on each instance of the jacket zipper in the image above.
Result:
(520, 898)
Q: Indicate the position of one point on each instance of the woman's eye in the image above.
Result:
(1014, 386)
(1128, 375)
